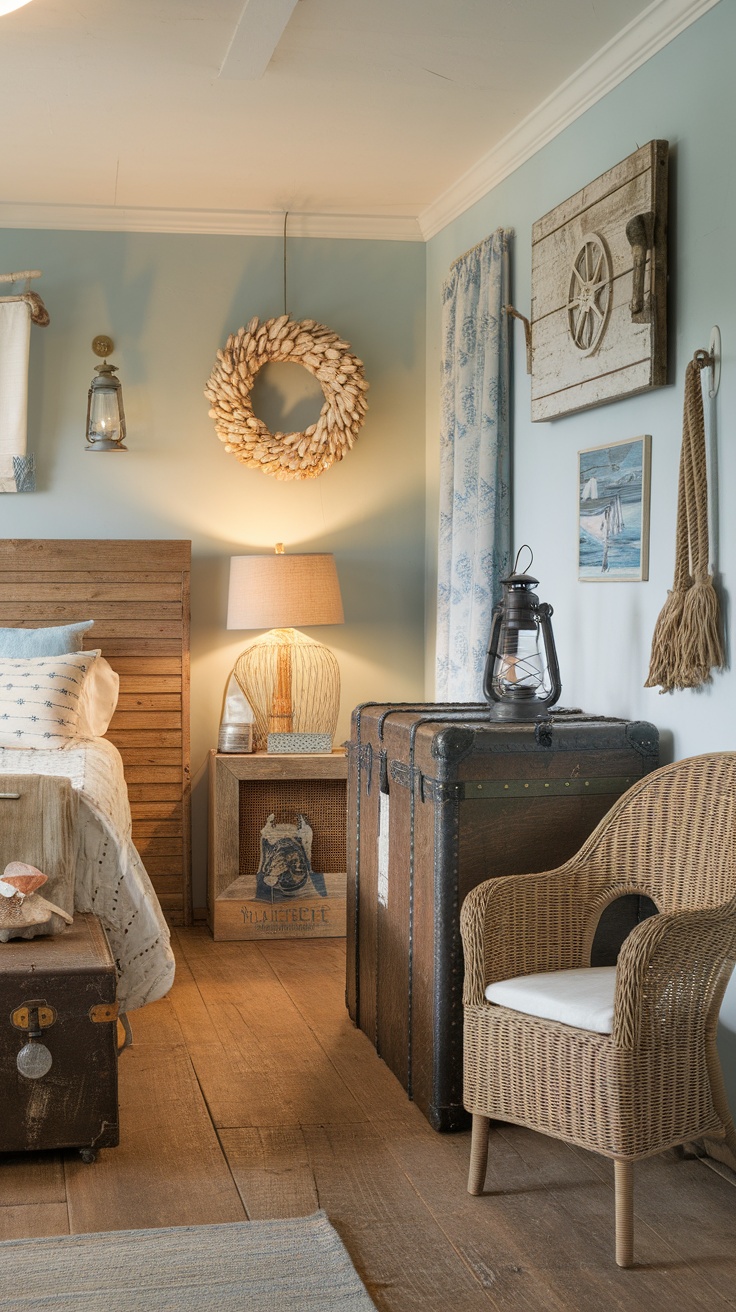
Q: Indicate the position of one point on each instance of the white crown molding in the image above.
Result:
(657, 25)
(653, 29)
(238, 223)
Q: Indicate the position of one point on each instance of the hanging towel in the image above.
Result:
(17, 470)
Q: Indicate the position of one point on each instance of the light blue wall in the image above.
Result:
(169, 303)
(687, 95)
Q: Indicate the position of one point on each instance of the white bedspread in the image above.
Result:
(111, 880)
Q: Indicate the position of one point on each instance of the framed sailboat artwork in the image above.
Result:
(613, 512)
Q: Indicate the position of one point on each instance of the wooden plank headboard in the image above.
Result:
(137, 592)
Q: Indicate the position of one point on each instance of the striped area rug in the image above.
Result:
(295, 1265)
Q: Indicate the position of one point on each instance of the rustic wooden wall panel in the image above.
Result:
(562, 243)
(631, 352)
(137, 592)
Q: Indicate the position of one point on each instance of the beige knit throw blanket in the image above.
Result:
(38, 824)
(687, 643)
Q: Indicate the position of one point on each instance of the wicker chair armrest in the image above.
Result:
(670, 974)
(520, 924)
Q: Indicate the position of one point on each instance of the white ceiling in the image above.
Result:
(396, 112)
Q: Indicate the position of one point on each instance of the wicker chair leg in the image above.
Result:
(478, 1154)
(715, 1074)
(624, 1182)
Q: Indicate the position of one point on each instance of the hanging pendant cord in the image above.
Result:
(286, 216)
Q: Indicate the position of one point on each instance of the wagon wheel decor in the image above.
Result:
(589, 297)
(320, 350)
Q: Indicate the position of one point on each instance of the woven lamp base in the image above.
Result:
(292, 683)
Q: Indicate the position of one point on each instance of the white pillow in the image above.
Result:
(98, 699)
(39, 699)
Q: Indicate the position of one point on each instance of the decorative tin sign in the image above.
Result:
(599, 289)
(285, 897)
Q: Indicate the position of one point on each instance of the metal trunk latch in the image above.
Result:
(34, 1059)
(104, 1011)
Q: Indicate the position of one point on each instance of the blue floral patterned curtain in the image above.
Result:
(475, 520)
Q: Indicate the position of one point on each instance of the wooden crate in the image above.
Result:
(244, 792)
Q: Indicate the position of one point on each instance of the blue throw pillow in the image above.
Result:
(24, 643)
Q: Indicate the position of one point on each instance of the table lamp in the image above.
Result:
(291, 681)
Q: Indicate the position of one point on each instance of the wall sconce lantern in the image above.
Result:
(521, 680)
(105, 410)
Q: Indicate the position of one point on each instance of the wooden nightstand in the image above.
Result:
(244, 792)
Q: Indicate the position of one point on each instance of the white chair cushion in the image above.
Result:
(582, 998)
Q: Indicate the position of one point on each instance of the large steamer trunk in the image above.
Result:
(440, 799)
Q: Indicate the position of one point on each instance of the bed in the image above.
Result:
(137, 592)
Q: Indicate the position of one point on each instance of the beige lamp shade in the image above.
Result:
(283, 591)
(291, 682)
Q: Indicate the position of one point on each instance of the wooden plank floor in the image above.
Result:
(249, 1094)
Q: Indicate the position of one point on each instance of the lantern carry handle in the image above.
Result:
(524, 547)
(489, 692)
(545, 613)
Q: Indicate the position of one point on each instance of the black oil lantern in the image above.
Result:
(522, 677)
(105, 410)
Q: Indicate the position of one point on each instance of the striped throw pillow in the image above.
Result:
(39, 699)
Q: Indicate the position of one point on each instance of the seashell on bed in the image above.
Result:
(20, 877)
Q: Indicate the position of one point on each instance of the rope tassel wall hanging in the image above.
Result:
(687, 643)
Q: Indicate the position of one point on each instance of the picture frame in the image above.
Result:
(613, 511)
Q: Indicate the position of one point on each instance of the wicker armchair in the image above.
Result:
(653, 1082)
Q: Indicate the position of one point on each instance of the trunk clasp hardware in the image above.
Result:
(34, 1059)
(104, 1011)
(22, 1017)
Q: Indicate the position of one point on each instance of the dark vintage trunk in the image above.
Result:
(63, 988)
(440, 799)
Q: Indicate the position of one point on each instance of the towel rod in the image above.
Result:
(20, 275)
(39, 313)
